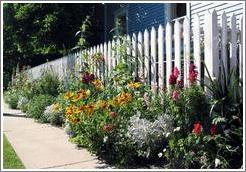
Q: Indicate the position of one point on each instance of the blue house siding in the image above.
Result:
(143, 15)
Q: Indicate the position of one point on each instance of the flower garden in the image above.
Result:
(126, 123)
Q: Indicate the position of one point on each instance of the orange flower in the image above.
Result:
(69, 110)
(90, 109)
(81, 94)
(82, 107)
(123, 98)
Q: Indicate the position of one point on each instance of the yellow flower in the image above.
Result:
(134, 85)
(123, 98)
(68, 95)
(77, 111)
(90, 109)
(102, 104)
(98, 84)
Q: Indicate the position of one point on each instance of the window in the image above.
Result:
(180, 10)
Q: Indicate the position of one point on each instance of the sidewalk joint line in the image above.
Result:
(67, 164)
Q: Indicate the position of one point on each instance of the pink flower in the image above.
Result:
(181, 83)
(172, 79)
(174, 76)
(192, 74)
(175, 95)
(176, 72)
(112, 114)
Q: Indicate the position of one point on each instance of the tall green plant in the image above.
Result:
(226, 92)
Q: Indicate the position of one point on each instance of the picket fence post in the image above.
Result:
(161, 57)
(197, 47)
(134, 55)
(241, 62)
(109, 59)
(105, 61)
(168, 52)
(153, 57)
(224, 42)
(146, 56)
(233, 43)
(211, 46)
(177, 45)
(140, 55)
(186, 26)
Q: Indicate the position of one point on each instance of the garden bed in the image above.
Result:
(125, 122)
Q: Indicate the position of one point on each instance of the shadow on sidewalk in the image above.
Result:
(20, 114)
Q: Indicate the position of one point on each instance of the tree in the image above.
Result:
(36, 32)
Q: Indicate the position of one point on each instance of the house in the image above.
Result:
(135, 17)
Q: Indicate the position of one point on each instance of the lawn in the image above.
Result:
(10, 158)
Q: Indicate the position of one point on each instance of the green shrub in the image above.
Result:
(48, 83)
(37, 105)
(11, 97)
(22, 103)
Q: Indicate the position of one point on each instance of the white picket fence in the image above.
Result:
(175, 44)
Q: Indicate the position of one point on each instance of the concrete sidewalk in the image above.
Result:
(42, 146)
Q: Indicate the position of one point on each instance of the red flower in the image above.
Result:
(192, 74)
(174, 76)
(172, 79)
(112, 114)
(197, 128)
(213, 129)
(175, 95)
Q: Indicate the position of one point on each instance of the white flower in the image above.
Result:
(160, 155)
(167, 134)
(105, 139)
(164, 150)
(217, 162)
(177, 129)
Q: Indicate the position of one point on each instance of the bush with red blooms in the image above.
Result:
(203, 138)
(173, 79)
